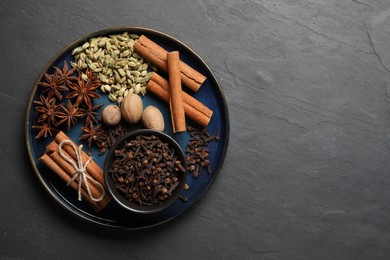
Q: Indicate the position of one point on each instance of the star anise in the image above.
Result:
(84, 90)
(48, 109)
(92, 133)
(44, 130)
(54, 85)
(66, 74)
(90, 114)
(69, 114)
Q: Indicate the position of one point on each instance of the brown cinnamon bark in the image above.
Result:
(52, 147)
(193, 109)
(92, 167)
(46, 160)
(186, 97)
(158, 56)
(175, 93)
(68, 168)
(54, 161)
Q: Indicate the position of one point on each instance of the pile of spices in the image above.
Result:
(108, 135)
(65, 98)
(197, 150)
(146, 170)
(120, 69)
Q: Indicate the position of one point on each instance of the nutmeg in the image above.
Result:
(131, 108)
(153, 119)
(111, 115)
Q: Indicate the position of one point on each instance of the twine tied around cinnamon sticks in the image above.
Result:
(80, 171)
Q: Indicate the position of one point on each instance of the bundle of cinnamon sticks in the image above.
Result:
(54, 161)
(158, 56)
(193, 109)
(181, 104)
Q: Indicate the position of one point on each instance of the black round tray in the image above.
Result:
(113, 215)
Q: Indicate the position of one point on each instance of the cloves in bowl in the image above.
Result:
(145, 171)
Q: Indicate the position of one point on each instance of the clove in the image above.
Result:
(145, 170)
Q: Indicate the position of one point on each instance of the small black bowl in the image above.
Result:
(131, 206)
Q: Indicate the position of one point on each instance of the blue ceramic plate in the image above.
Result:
(113, 215)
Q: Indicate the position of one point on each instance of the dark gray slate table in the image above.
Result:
(307, 172)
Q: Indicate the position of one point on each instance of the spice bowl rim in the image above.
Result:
(121, 200)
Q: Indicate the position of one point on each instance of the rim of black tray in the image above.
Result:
(76, 43)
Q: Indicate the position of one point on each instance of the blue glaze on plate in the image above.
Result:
(113, 215)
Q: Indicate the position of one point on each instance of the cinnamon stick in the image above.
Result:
(52, 147)
(175, 93)
(92, 168)
(158, 56)
(46, 160)
(193, 109)
(186, 97)
(68, 168)
(94, 172)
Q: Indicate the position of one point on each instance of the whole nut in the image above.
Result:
(152, 118)
(131, 108)
(111, 115)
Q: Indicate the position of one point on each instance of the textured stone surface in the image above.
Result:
(307, 173)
